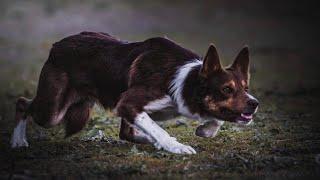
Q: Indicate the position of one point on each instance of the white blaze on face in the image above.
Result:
(252, 98)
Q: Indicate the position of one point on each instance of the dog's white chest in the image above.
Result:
(162, 109)
(159, 104)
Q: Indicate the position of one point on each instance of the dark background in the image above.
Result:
(283, 37)
(282, 34)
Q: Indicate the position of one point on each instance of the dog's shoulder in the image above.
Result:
(169, 46)
(161, 42)
(159, 62)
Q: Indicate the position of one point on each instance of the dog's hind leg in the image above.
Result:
(48, 108)
(77, 116)
(19, 138)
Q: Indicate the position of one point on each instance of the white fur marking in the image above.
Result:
(139, 132)
(176, 88)
(19, 135)
(161, 137)
(253, 98)
(219, 122)
(158, 104)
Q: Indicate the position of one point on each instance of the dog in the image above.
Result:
(155, 77)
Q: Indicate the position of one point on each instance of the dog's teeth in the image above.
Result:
(246, 116)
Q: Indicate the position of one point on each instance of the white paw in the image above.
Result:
(19, 135)
(21, 142)
(174, 146)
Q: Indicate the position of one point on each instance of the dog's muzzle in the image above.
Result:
(251, 108)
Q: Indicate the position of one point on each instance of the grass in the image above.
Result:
(280, 143)
(283, 142)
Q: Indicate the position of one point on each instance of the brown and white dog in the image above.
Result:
(140, 80)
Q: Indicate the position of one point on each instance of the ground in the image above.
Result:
(283, 141)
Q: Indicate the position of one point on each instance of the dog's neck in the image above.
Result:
(183, 85)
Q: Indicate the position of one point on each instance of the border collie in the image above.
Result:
(141, 81)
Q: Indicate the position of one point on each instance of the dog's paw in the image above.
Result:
(181, 149)
(18, 138)
(173, 146)
(19, 142)
(209, 129)
(203, 131)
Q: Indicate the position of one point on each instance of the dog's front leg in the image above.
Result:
(209, 128)
(132, 133)
(131, 108)
(162, 139)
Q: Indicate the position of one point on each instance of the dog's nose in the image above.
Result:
(253, 103)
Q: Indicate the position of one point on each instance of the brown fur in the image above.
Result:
(96, 67)
(213, 78)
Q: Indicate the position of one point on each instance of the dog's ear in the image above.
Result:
(211, 62)
(241, 63)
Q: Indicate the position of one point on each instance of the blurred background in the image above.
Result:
(282, 36)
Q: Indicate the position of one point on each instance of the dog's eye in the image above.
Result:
(227, 90)
(246, 89)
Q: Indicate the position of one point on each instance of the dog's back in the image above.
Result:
(95, 63)
(95, 67)
(99, 64)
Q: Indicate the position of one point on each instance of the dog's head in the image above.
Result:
(227, 89)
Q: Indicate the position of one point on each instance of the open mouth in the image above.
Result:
(244, 118)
